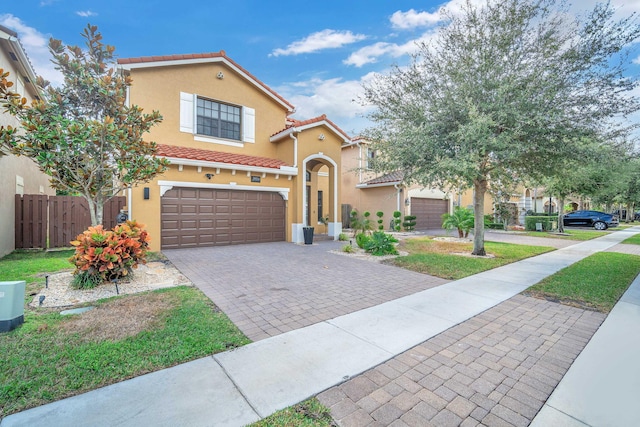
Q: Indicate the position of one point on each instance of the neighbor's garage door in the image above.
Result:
(209, 217)
(428, 212)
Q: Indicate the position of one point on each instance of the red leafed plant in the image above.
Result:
(104, 255)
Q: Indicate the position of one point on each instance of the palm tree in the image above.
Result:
(461, 219)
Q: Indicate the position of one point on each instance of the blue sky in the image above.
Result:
(316, 55)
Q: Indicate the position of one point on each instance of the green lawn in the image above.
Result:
(569, 234)
(595, 282)
(51, 356)
(434, 257)
(633, 240)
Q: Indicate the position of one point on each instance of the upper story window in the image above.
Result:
(218, 120)
(371, 155)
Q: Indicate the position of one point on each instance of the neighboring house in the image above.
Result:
(18, 175)
(242, 170)
(364, 191)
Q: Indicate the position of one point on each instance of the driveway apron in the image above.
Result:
(270, 288)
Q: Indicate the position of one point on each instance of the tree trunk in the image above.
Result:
(480, 187)
(96, 210)
(560, 214)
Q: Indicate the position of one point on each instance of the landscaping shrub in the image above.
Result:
(380, 214)
(103, 255)
(361, 240)
(396, 220)
(381, 243)
(343, 237)
(494, 225)
(409, 222)
(546, 221)
(348, 249)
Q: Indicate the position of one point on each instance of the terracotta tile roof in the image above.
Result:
(291, 122)
(186, 57)
(388, 178)
(217, 157)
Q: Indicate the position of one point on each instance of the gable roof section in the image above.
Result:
(200, 157)
(198, 58)
(295, 126)
(392, 178)
(9, 41)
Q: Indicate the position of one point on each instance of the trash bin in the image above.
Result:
(538, 226)
(308, 235)
(11, 305)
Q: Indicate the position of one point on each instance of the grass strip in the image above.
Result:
(633, 240)
(596, 282)
(436, 258)
(310, 413)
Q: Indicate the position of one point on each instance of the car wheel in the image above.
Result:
(599, 225)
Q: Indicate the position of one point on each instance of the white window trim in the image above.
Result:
(189, 117)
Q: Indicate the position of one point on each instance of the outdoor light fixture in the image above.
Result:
(115, 282)
(46, 281)
(41, 299)
(208, 175)
(407, 201)
(321, 137)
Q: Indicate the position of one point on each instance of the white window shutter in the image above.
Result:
(248, 124)
(186, 112)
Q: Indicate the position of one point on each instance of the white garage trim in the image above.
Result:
(168, 185)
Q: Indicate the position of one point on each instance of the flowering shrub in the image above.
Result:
(104, 255)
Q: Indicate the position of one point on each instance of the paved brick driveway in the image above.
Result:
(270, 288)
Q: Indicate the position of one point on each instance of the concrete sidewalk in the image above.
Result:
(241, 386)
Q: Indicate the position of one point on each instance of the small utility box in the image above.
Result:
(538, 226)
(11, 305)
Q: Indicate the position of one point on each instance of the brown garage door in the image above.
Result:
(211, 217)
(428, 212)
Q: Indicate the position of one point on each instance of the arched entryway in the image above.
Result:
(320, 196)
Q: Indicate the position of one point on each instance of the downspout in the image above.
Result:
(295, 147)
(359, 163)
(398, 191)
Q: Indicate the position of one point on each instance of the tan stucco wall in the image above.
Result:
(159, 89)
(14, 168)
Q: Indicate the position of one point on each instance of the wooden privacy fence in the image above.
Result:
(57, 219)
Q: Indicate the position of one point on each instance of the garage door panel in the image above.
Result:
(428, 212)
(207, 217)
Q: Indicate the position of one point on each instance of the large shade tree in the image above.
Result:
(506, 89)
(83, 134)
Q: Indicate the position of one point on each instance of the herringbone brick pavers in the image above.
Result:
(496, 369)
(270, 288)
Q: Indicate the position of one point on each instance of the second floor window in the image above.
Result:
(371, 155)
(218, 120)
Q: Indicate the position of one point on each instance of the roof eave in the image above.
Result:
(282, 170)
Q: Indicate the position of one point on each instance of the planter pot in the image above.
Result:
(308, 235)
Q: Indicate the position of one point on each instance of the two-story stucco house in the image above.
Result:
(242, 170)
(364, 190)
(18, 175)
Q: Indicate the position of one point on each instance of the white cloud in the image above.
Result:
(336, 98)
(36, 45)
(325, 39)
(372, 53)
(637, 60)
(412, 19)
(86, 13)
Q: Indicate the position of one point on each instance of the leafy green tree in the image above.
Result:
(461, 219)
(505, 89)
(83, 134)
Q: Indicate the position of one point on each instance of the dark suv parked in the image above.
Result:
(595, 219)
